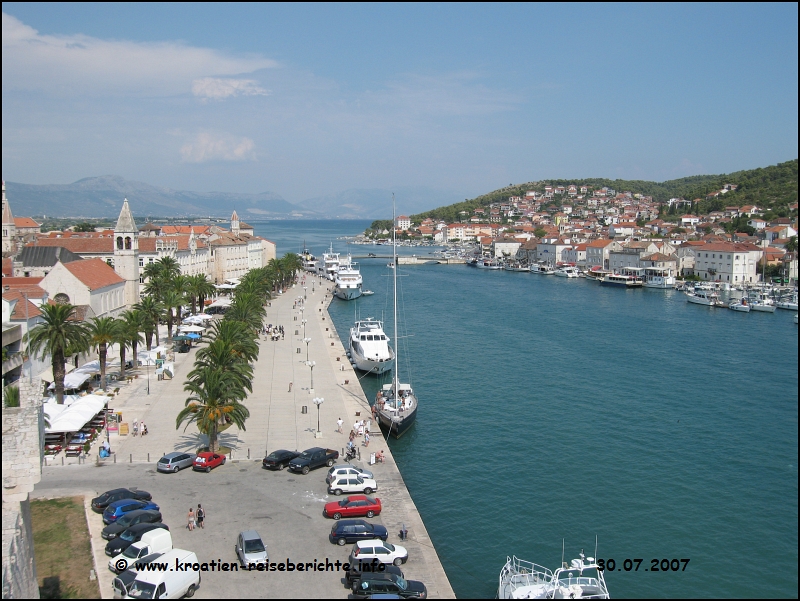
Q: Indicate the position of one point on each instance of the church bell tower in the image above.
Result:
(126, 254)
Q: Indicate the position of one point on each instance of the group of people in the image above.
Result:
(274, 332)
(139, 427)
(196, 518)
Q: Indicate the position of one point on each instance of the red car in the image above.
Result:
(204, 462)
(354, 506)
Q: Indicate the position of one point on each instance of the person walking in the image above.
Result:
(290, 386)
(339, 423)
(366, 439)
(190, 525)
(201, 516)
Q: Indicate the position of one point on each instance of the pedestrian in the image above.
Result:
(190, 525)
(144, 429)
(339, 423)
(366, 439)
(290, 386)
(355, 427)
(201, 515)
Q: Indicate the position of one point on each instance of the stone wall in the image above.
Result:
(22, 469)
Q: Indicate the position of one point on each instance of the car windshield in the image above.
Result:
(305, 455)
(131, 552)
(389, 546)
(128, 535)
(401, 583)
(142, 590)
(273, 455)
(103, 498)
(125, 520)
(253, 546)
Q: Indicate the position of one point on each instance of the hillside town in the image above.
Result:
(609, 230)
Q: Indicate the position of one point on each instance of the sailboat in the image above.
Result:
(396, 403)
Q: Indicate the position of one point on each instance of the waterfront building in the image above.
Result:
(727, 261)
(598, 251)
(234, 253)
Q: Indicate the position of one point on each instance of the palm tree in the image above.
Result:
(170, 268)
(150, 309)
(224, 356)
(198, 289)
(247, 308)
(102, 332)
(215, 398)
(238, 335)
(57, 335)
(130, 326)
(171, 300)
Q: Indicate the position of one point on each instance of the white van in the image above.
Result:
(170, 584)
(155, 541)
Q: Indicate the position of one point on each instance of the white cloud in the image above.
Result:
(217, 88)
(217, 147)
(69, 64)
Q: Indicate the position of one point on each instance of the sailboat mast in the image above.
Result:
(396, 341)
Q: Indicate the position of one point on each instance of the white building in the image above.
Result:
(90, 284)
(403, 223)
(727, 261)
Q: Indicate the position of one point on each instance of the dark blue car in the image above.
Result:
(119, 508)
(351, 531)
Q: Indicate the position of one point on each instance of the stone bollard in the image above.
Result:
(130, 458)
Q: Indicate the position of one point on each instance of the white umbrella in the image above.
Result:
(192, 329)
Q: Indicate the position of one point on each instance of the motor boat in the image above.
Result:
(369, 347)
(709, 298)
(542, 269)
(329, 264)
(582, 578)
(348, 280)
(740, 305)
(567, 271)
(658, 277)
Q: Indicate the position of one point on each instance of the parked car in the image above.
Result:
(354, 506)
(277, 460)
(250, 549)
(367, 550)
(168, 584)
(370, 585)
(346, 469)
(118, 494)
(313, 458)
(359, 568)
(129, 536)
(140, 516)
(123, 582)
(173, 462)
(348, 484)
(205, 462)
(119, 508)
(350, 531)
(155, 541)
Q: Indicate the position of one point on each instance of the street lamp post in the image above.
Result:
(305, 292)
(306, 340)
(304, 321)
(311, 364)
(148, 373)
(318, 401)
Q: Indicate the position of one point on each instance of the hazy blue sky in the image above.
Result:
(303, 100)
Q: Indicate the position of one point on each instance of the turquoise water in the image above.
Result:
(558, 409)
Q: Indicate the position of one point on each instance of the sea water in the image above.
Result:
(556, 409)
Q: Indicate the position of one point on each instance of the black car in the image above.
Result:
(133, 534)
(388, 584)
(123, 582)
(357, 569)
(118, 494)
(350, 531)
(277, 460)
(140, 516)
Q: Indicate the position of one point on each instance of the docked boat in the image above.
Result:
(740, 305)
(580, 579)
(487, 263)
(329, 264)
(762, 303)
(567, 271)
(309, 260)
(396, 404)
(369, 347)
(709, 298)
(788, 303)
(658, 277)
(516, 266)
(542, 269)
(348, 280)
(624, 280)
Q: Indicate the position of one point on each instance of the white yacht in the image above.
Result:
(309, 260)
(348, 280)
(369, 347)
(567, 271)
(542, 269)
(329, 264)
(787, 302)
(740, 305)
(709, 298)
(762, 302)
(658, 277)
(580, 579)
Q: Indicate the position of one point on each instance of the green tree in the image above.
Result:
(102, 332)
(791, 244)
(198, 289)
(83, 227)
(151, 310)
(59, 335)
(11, 396)
(130, 326)
(171, 300)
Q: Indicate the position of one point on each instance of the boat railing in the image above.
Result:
(518, 572)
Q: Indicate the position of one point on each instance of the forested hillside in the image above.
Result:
(773, 188)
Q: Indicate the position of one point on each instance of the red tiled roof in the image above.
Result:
(148, 245)
(25, 222)
(95, 273)
(17, 282)
(8, 266)
(19, 311)
(79, 245)
(187, 229)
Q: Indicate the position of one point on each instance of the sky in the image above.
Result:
(310, 99)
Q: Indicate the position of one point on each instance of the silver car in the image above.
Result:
(250, 549)
(172, 462)
(347, 469)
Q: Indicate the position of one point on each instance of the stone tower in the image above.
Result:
(126, 254)
(235, 223)
(9, 226)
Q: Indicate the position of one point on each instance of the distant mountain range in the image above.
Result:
(102, 197)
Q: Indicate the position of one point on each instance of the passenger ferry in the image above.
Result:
(630, 278)
(658, 277)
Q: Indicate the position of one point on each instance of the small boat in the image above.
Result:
(567, 271)
(709, 298)
(582, 578)
(367, 293)
(487, 263)
(788, 303)
(542, 269)
(623, 280)
(741, 305)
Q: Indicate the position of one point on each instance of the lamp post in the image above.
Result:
(304, 321)
(148, 372)
(318, 401)
(305, 292)
(311, 364)
(306, 340)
